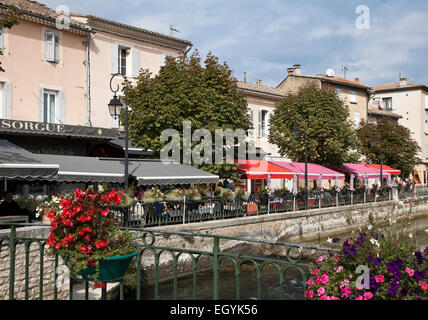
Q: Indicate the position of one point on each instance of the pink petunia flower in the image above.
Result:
(309, 294)
(379, 278)
(360, 298)
(321, 291)
(368, 295)
(411, 272)
(339, 269)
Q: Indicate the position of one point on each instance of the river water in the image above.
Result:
(293, 288)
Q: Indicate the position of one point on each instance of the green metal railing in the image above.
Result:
(182, 212)
(217, 252)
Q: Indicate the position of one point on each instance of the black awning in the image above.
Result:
(156, 172)
(86, 169)
(18, 163)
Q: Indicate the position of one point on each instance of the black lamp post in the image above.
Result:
(296, 134)
(373, 143)
(115, 108)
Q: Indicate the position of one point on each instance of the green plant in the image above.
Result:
(153, 195)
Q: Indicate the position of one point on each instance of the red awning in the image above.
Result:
(260, 169)
(386, 168)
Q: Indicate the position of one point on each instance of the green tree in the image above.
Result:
(330, 135)
(399, 150)
(8, 21)
(186, 90)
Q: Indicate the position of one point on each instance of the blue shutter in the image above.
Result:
(41, 99)
(114, 58)
(7, 100)
(61, 105)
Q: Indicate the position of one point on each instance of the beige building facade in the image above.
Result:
(410, 102)
(354, 94)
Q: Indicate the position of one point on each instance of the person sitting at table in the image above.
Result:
(9, 207)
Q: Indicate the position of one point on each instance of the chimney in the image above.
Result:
(403, 82)
(290, 71)
(297, 68)
(245, 77)
(357, 80)
(259, 82)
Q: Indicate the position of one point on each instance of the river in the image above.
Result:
(293, 288)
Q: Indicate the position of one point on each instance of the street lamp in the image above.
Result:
(115, 108)
(296, 134)
(373, 143)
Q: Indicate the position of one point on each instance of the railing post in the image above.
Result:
(216, 251)
(184, 209)
(337, 199)
(352, 197)
(12, 248)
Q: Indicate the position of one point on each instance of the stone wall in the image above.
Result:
(35, 253)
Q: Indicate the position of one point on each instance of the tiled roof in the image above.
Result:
(336, 80)
(260, 88)
(129, 27)
(396, 86)
(40, 10)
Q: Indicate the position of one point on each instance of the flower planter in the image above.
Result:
(111, 269)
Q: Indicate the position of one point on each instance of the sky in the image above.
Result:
(375, 39)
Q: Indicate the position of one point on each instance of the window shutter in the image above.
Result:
(260, 124)
(162, 59)
(1, 39)
(135, 54)
(56, 47)
(356, 119)
(7, 100)
(41, 99)
(251, 131)
(352, 97)
(61, 105)
(268, 117)
(426, 151)
(50, 46)
(114, 58)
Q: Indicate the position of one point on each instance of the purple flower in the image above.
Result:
(336, 240)
(419, 256)
(419, 275)
(395, 265)
(404, 292)
(377, 261)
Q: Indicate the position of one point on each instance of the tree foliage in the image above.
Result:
(399, 150)
(186, 90)
(330, 135)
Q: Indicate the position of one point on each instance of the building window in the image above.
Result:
(50, 107)
(339, 93)
(123, 55)
(356, 120)
(387, 103)
(352, 97)
(51, 46)
(264, 118)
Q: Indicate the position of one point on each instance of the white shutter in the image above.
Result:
(162, 59)
(61, 107)
(339, 93)
(251, 131)
(50, 46)
(135, 56)
(356, 120)
(41, 100)
(260, 124)
(56, 47)
(7, 100)
(352, 97)
(114, 58)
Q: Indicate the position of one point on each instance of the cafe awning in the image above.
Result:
(18, 163)
(362, 170)
(156, 172)
(85, 169)
(386, 168)
(314, 170)
(261, 169)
